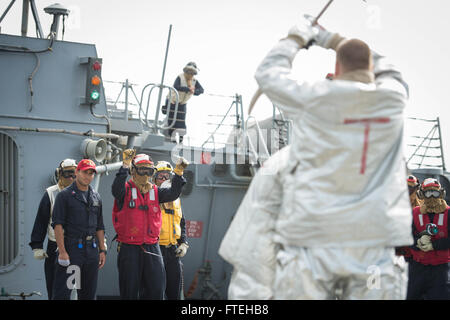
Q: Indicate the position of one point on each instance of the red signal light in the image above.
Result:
(96, 66)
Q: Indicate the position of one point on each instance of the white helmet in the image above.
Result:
(163, 166)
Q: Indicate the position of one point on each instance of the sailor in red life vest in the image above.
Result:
(429, 275)
(413, 186)
(137, 221)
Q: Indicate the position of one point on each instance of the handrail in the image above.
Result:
(261, 137)
(434, 134)
(211, 136)
(287, 123)
(145, 121)
(252, 149)
(168, 110)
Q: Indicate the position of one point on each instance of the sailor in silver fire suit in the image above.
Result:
(345, 204)
(248, 243)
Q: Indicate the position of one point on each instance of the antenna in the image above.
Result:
(161, 85)
(57, 10)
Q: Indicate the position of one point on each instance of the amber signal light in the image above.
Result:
(95, 80)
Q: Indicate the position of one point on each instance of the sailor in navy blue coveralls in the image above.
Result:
(79, 213)
(42, 224)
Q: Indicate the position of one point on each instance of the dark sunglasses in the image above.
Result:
(68, 174)
(144, 171)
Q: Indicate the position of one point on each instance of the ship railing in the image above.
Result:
(283, 125)
(144, 113)
(247, 137)
(265, 144)
(257, 157)
(156, 126)
(232, 126)
(128, 87)
(428, 150)
(236, 123)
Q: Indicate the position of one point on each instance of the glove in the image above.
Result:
(168, 205)
(425, 239)
(181, 250)
(327, 39)
(182, 163)
(128, 156)
(303, 31)
(425, 247)
(40, 254)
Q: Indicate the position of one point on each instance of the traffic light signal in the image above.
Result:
(94, 80)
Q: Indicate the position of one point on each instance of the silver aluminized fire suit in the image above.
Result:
(345, 204)
(248, 244)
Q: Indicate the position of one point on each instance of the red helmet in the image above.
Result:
(142, 158)
(430, 182)
(431, 188)
(412, 180)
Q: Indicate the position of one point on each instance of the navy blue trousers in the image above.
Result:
(141, 272)
(174, 273)
(428, 282)
(180, 123)
(49, 267)
(86, 259)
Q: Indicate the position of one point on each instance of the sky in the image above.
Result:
(228, 39)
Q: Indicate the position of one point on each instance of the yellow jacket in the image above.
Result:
(171, 218)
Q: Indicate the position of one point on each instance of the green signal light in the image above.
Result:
(95, 95)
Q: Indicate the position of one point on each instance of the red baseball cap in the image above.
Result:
(86, 164)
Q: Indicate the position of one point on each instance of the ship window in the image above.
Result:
(9, 238)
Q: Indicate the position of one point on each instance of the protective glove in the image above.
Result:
(168, 205)
(303, 31)
(181, 250)
(425, 247)
(181, 164)
(425, 239)
(40, 254)
(128, 156)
